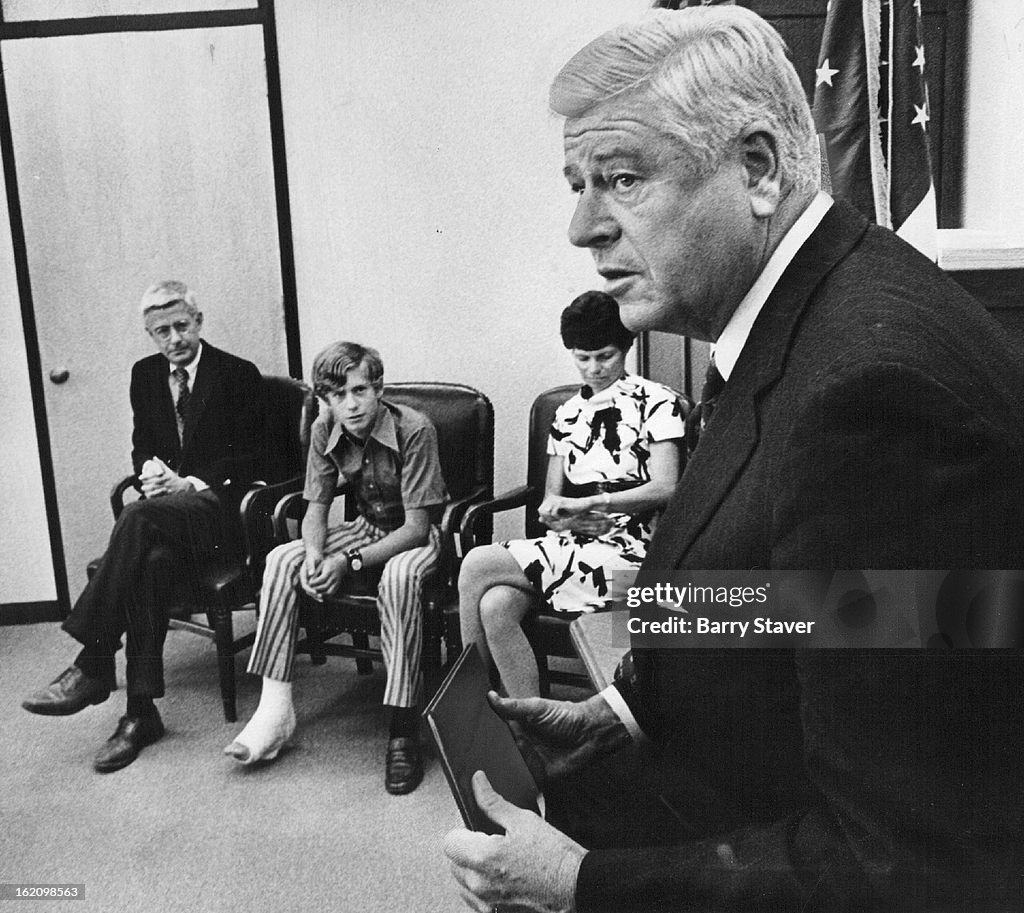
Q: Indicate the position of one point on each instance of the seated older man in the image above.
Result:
(197, 415)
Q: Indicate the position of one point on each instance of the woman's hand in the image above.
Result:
(576, 514)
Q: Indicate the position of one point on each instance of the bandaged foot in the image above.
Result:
(269, 729)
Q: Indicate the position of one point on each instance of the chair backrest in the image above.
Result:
(289, 410)
(542, 414)
(464, 419)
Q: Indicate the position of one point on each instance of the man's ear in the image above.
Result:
(760, 157)
(199, 320)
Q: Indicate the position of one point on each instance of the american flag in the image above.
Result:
(871, 109)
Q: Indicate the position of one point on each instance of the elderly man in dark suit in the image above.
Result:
(868, 414)
(197, 416)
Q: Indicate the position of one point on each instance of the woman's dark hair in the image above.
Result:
(592, 322)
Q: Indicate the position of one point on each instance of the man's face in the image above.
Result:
(175, 332)
(677, 251)
(356, 404)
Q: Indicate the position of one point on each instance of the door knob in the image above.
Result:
(59, 375)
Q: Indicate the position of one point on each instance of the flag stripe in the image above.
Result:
(871, 110)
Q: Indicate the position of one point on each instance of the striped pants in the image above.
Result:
(398, 601)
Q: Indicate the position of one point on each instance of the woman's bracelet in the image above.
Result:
(606, 500)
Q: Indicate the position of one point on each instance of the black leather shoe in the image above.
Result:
(70, 692)
(404, 768)
(133, 734)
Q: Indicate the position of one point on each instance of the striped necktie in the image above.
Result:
(700, 416)
(181, 375)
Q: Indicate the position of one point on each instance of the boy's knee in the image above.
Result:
(395, 579)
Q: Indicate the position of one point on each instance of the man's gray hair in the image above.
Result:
(164, 294)
(712, 71)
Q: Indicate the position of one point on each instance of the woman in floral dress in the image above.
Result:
(613, 462)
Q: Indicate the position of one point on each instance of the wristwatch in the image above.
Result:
(355, 559)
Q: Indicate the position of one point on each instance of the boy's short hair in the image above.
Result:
(334, 362)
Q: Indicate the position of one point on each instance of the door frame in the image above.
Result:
(262, 14)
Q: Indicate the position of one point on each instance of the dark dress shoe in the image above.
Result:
(404, 767)
(70, 692)
(133, 734)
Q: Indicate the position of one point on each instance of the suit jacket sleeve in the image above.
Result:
(885, 466)
(149, 435)
(237, 459)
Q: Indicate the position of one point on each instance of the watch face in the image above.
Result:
(355, 561)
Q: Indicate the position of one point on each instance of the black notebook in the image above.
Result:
(470, 736)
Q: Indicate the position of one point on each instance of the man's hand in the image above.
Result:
(532, 867)
(158, 479)
(321, 576)
(558, 737)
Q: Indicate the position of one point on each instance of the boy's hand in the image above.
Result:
(326, 577)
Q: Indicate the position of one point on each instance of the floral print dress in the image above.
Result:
(604, 439)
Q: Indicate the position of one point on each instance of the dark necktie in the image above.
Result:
(181, 375)
(698, 419)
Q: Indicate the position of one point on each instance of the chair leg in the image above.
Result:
(452, 637)
(430, 652)
(314, 618)
(224, 639)
(543, 674)
(362, 641)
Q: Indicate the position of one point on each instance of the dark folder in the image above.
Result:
(470, 736)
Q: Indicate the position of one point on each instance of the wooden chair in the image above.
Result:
(548, 631)
(464, 419)
(225, 585)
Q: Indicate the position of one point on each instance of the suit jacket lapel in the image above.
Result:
(734, 431)
(202, 389)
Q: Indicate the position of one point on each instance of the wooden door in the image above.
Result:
(140, 156)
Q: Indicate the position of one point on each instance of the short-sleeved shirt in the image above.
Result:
(396, 469)
(608, 436)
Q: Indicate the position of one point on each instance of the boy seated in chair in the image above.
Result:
(387, 454)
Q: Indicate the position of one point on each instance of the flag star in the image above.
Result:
(921, 117)
(919, 59)
(824, 74)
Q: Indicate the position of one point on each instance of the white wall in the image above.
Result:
(429, 209)
(993, 234)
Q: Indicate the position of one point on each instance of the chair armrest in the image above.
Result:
(451, 541)
(117, 493)
(508, 500)
(257, 519)
(291, 508)
(287, 508)
(451, 519)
